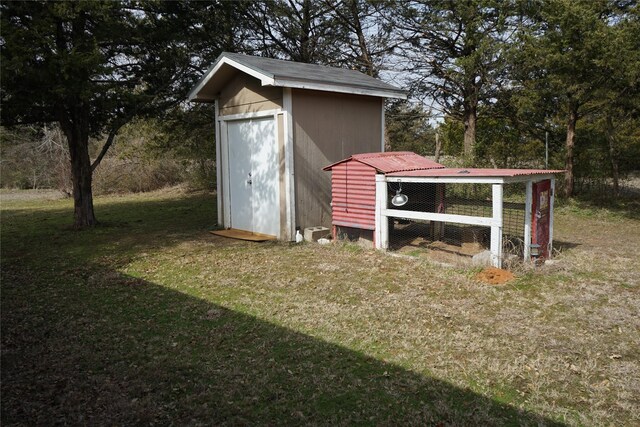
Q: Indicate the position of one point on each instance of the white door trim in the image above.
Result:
(289, 171)
(241, 149)
(226, 200)
(288, 234)
(222, 122)
(219, 191)
(224, 158)
(255, 115)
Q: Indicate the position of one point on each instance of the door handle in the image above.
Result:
(249, 182)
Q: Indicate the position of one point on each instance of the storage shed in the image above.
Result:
(363, 189)
(277, 124)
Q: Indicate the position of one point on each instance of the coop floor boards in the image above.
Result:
(243, 235)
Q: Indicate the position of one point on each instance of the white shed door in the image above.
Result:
(253, 176)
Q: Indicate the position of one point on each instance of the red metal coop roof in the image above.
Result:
(395, 161)
(407, 163)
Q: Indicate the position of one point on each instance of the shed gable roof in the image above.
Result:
(393, 161)
(276, 72)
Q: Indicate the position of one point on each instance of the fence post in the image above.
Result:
(381, 234)
(496, 226)
(552, 197)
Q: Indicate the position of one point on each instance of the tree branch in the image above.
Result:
(106, 146)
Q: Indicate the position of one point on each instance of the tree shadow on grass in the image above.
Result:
(627, 206)
(139, 213)
(125, 227)
(85, 344)
(96, 347)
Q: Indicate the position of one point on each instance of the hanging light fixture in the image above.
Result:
(399, 199)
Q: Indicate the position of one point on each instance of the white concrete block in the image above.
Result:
(312, 234)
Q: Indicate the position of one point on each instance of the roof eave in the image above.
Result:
(353, 90)
(203, 100)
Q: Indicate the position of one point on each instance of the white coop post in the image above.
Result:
(381, 235)
(496, 226)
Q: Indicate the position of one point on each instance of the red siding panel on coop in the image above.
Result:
(353, 184)
(353, 193)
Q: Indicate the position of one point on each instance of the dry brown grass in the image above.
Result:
(7, 195)
(561, 341)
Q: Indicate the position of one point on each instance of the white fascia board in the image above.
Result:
(471, 179)
(265, 79)
(446, 180)
(203, 81)
(337, 88)
(526, 178)
(203, 101)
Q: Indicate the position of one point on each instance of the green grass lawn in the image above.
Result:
(150, 319)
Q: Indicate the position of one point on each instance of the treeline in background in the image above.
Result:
(149, 155)
(491, 83)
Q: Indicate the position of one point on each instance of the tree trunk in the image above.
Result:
(83, 215)
(77, 134)
(306, 54)
(362, 40)
(570, 144)
(438, 148)
(613, 156)
(470, 118)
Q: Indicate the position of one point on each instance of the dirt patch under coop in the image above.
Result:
(455, 245)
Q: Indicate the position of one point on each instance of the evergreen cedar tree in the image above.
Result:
(94, 66)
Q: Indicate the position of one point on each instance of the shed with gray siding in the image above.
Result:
(278, 123)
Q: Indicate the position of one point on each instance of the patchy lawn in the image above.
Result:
(149, 319)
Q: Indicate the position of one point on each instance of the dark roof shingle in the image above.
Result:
(299, 75)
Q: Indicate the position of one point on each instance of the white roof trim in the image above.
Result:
(471, 179)
(265, 79)
(446, 180)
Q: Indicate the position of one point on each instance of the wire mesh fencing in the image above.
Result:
(513, 219)
(455, 199)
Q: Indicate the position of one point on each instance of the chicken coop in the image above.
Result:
(400, 199)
